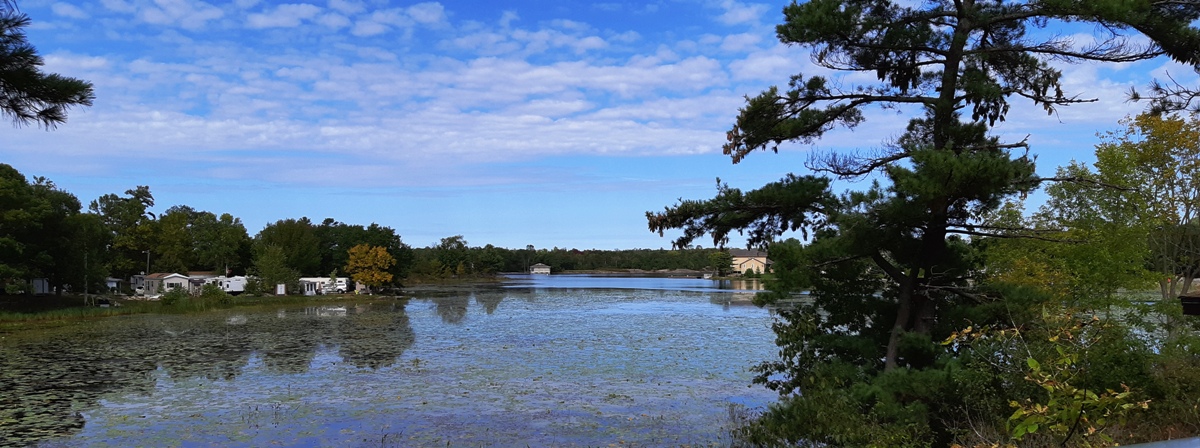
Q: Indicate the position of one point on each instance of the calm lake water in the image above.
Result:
(533, 361)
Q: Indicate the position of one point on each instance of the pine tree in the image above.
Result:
(27, 95)
(890, 269)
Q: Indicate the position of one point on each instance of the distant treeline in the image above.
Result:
(454, 257)
(46, 233)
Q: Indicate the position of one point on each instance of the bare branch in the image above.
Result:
(1083, 181)
(1009, 236)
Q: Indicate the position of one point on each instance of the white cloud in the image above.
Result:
(627, 37)
(394, 17)
(68, 10)
(551, 108)
(384, 20)
(377, 53)
(119, 6)
(430, 13)
(772, 65)
(70, 63)
(333, 20)
(508, 17)
(299, 73)
(346, 6)
(740, 42)
(570, 25)
(365, 28)
(738, 13)
(589, 43)
(664, 53)
(486, 43)
(283, 16)
(711, 40)
(545, 39)
(189, 14)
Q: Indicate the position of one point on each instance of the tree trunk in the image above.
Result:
(903, 316)
(926, 314)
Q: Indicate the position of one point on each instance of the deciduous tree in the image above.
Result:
(297, 239)
(1155, 161)
(270, 269)
(369, 265)
(221, 243)
(131, 225)
(337, 238)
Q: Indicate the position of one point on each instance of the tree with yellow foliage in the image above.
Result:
(1157, 159)
(369, 265)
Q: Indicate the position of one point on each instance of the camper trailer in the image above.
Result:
(322, 285)
(232, 285)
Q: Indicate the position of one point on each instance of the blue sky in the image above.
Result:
(552, 123)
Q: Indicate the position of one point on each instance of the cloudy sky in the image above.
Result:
(553, 123)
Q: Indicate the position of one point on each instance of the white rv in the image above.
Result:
(233, 285)
(322, 285)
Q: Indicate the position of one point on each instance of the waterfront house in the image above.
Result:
(539, 269)
(160, 282)
(197, 280)
(744, 260)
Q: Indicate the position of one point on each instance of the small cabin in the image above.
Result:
(539, 269)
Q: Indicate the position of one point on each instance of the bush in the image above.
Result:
(254, 286)
(212, 292)
(174, 296)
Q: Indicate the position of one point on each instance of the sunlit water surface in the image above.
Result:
(537, 361)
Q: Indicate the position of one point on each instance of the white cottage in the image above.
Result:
(539, 269)
(161, 282)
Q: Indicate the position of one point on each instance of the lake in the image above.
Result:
(531, 361)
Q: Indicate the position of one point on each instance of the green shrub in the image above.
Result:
(174, 296)
(214, 293)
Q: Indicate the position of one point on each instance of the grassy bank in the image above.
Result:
(20, 312)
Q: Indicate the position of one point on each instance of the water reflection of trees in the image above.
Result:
(489, 300)
(47, 377)
(452, 309)
(373, 336)
(45, 381)
(291, 342)
(203, 349)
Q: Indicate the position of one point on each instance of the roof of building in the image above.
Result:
(743, 253)
(540, 265)
(162, 275)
